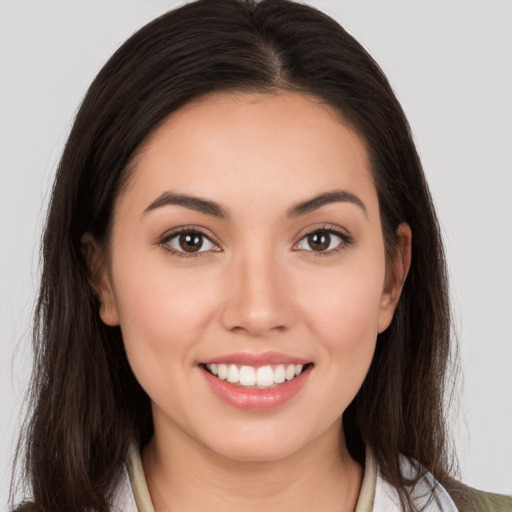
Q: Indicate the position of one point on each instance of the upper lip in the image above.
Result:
(256, 360)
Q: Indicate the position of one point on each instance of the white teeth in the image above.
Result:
(264, 376)
(247, 376)
(261, 377)
(290, 372)
(279, 374)
(222, 371)
(233, 373)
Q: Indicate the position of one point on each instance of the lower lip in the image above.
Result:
(256, 399)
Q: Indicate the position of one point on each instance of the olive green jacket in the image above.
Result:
(468, 499)
(376, 494)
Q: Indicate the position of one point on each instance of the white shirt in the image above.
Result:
(376, 494)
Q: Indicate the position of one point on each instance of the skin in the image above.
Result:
(258, 286)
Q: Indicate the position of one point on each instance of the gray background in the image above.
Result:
(450, 64)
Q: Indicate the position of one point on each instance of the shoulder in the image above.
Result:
(468, 499)
(430, 495)
(426, 494)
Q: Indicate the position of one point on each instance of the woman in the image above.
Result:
(243, 286)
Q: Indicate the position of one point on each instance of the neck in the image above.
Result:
(186, 476)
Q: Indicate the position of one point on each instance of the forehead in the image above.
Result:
(252, 148)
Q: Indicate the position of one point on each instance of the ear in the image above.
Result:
(396, 274)
(99, 279)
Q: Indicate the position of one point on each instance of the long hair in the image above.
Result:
(86, 404)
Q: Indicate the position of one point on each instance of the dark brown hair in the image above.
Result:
(86, 404)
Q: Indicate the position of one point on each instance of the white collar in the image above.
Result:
(376, 495)
(428, 494)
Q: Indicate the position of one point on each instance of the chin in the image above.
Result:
(262, 443)
(252, 452)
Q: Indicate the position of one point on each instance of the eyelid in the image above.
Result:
(163, 241)
(346, 238)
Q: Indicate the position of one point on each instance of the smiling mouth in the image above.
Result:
(262, 377)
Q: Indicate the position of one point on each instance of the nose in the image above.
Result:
(257, 298)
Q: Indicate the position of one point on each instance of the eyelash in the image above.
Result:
(164, 242)
(345, 241)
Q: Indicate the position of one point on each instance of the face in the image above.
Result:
(246, 269)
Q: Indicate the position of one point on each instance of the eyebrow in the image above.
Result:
(190, 202)
(335, 196)
(214, 209)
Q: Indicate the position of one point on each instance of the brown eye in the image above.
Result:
(323, 241)
(319, 241)
(190, 242)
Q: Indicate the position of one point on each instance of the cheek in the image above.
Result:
(347, 325)
(158, 298)
(344, 305)
(343, 311)
(163, 315)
